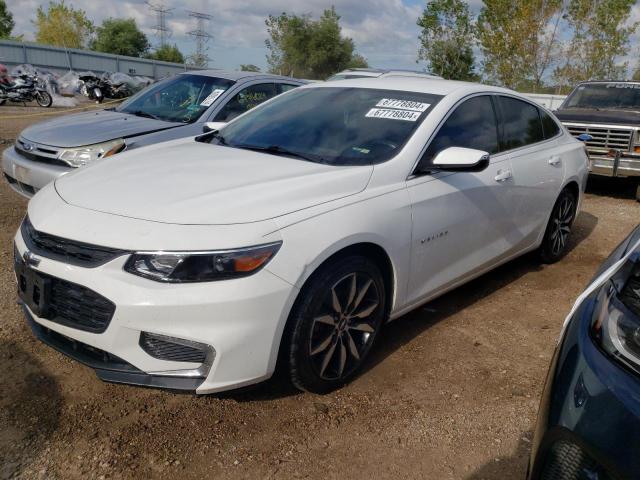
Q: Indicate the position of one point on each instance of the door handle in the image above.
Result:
(503, 175)
(555, 160)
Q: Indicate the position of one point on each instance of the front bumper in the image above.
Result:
(241, 320)
(624, 164)
(28, 176)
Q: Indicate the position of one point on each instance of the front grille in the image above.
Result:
(603, 137)
(630, 294)
(567, 461)
(174, 349)
(39, 153)
(65, 250)
(76, 306)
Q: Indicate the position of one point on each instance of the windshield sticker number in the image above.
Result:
(403, 104)
(390, 114)
(212, 97)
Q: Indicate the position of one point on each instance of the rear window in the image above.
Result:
(520, 123)
(549, 125)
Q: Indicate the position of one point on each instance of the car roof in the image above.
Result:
(240, 76)
(386, 71)
(422, 84)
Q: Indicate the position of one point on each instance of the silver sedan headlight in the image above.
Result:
(80, 156)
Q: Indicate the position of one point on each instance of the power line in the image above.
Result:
(161, 28)
(202, 37)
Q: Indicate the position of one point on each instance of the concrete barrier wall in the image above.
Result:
(552, 102)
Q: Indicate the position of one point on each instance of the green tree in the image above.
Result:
(447, 39)
(6, 21)
(249, 67)
(63, 26)
(167, 53)
(303, 47)
(519, 40)
(121, 37)
(600, 35)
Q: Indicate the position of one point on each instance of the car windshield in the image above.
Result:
(182, 98)
(337, 126)
(606, 96)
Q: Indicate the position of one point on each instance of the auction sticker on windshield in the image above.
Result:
(403, 104)
(406, 115)
(212, 97)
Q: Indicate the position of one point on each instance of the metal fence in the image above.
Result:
(60, 59)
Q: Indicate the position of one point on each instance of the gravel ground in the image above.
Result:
(451, 391)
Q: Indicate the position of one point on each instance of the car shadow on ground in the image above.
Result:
(30, 404)
(409, 326)
(623, 188)
(511, 467)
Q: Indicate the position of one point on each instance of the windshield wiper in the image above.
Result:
(140, 113)
(278, 150)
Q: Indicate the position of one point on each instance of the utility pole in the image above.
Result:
(200, 58)
(161, 29)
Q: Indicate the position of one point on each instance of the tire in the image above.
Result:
(2, 101)
(555, 240)
(637, 188)
(44, 99)
(327, 348)
(97, 94)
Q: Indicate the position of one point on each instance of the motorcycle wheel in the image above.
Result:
(97, 94)
(44, 99)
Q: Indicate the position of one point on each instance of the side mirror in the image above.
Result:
(584, 137)
(212, 126)
(459, 159)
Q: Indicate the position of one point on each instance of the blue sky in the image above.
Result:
(384, 31)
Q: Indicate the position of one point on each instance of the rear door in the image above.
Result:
(530, 137)
(462, 222)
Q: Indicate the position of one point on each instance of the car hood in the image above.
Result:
(614, 117)
(92, 127)
(202, 184)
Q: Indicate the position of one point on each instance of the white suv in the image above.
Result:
(294, 232)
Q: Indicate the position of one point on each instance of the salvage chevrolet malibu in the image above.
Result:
(293, 233)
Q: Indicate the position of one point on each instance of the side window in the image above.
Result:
(520, 122)
(245, 100)
(471, 125)
(285, 87)
(549, 126)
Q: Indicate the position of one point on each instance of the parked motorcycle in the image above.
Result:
(25, 88)
(97, 88)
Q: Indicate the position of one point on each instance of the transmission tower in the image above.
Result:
(200, 58)
(161, 28)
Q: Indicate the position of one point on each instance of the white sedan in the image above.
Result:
(292, 234)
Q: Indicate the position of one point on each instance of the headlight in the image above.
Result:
(616, 322)
(77, 157)
(185, 267)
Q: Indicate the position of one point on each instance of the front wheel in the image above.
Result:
(556, 236)
(44, 99)
(335, 323)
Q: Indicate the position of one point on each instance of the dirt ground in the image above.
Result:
(450, 393)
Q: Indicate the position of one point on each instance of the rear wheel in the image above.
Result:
(637, 188)
(44, 99)
(556, 236)
(335, 323)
